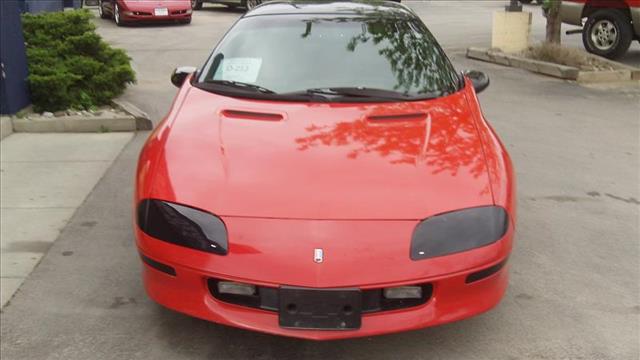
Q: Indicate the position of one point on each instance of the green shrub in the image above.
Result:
(70, 66)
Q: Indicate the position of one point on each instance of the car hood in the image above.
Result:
(361, 161)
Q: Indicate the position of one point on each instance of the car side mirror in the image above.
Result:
(479, 79)
(181, 73)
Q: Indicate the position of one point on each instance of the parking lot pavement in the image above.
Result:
(574, 271)
(157, 50)
(460, 24)
(44, 178)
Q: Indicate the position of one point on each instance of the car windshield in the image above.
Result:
(345, 56)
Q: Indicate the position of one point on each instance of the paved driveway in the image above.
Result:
(574, 286)
(157, 50)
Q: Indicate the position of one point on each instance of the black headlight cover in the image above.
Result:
(458, 231)
(183, 225)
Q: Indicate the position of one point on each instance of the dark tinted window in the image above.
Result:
(290, 53)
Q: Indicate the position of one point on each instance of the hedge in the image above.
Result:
(70, 66)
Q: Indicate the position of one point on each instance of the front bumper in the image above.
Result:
(147, 15)
(452, 297)
(452, 300)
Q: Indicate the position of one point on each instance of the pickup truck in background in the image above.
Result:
(610, 26)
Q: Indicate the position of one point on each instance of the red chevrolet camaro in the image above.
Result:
(136, 11)
(326, 174)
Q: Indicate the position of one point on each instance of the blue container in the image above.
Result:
(14, 89)
(76, 4)
(38, 6)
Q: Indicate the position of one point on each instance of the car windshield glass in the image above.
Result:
(371, 55)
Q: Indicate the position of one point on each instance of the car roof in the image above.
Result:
(356, 8)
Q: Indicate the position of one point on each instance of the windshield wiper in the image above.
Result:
(241, 85)
(360, 92)
(364, 92)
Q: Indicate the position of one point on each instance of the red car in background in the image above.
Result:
(132, 11)
(326, 174)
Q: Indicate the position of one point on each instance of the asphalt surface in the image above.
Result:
(44, 178)
(574, 289)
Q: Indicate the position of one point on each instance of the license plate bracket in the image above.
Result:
(161, 12)
(320, 309)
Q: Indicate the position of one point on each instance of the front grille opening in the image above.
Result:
(266, 298)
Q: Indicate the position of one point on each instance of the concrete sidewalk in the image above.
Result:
(44, 178)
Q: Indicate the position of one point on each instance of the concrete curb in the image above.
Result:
(6, 127)
(135, 119)
(142, 119)
(635, 72)
(604, 76)
(75, 124)
(622, 73)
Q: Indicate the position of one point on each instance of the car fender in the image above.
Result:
(499, 166)
(152, 149)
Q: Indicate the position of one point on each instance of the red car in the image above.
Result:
(326, 174)
(132, 11)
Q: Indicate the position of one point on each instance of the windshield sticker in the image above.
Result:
(239, 69)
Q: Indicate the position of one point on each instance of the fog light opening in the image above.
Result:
(403, 292)
(235, 288)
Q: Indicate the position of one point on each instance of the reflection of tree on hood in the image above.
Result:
(400, 142)
(445, 138)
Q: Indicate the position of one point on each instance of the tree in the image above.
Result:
(552, 10)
